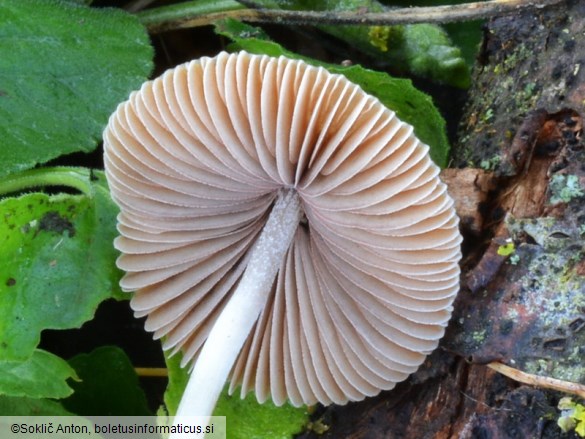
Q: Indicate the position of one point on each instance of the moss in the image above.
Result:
(479, 336)
(506, 249)
(488, 115)
(319, 426)
(378, 37)
(491, 163)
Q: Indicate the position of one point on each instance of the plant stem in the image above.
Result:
(234, 324)
(77, 178)
(194, 14)
(539, 381)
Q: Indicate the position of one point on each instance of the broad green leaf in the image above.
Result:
(429, 53)
(420, 49)
(43, 375)
(424, 50)
(63, 69)
(45, 412)
(466, 35)
(411, 106)
(58, 260)
(15, 406)
(109, 385)
(246, 419)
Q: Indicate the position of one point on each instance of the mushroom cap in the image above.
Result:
(195, 160)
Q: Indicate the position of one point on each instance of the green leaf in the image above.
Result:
(429, 53)
(58, 260)
(15, 406)
(411, 105)
(43, 375)
(246, 419)
(109, 385)
(63, 69)
(466, 35)
(424, 50)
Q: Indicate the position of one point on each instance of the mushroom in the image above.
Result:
(279, 223)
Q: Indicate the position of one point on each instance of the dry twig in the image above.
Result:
(152, 372)
(539, 381)
(157, 23)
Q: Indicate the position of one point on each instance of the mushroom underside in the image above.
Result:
(200, 159)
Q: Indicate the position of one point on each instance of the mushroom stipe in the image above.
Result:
(282, 229)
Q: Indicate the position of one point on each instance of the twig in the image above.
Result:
(539, 381)
(161, 19)
(157, 372)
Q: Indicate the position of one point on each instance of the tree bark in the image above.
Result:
(522, 300)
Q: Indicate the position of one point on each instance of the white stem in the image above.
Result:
(243, 309)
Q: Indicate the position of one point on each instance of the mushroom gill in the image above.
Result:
(363, 277)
